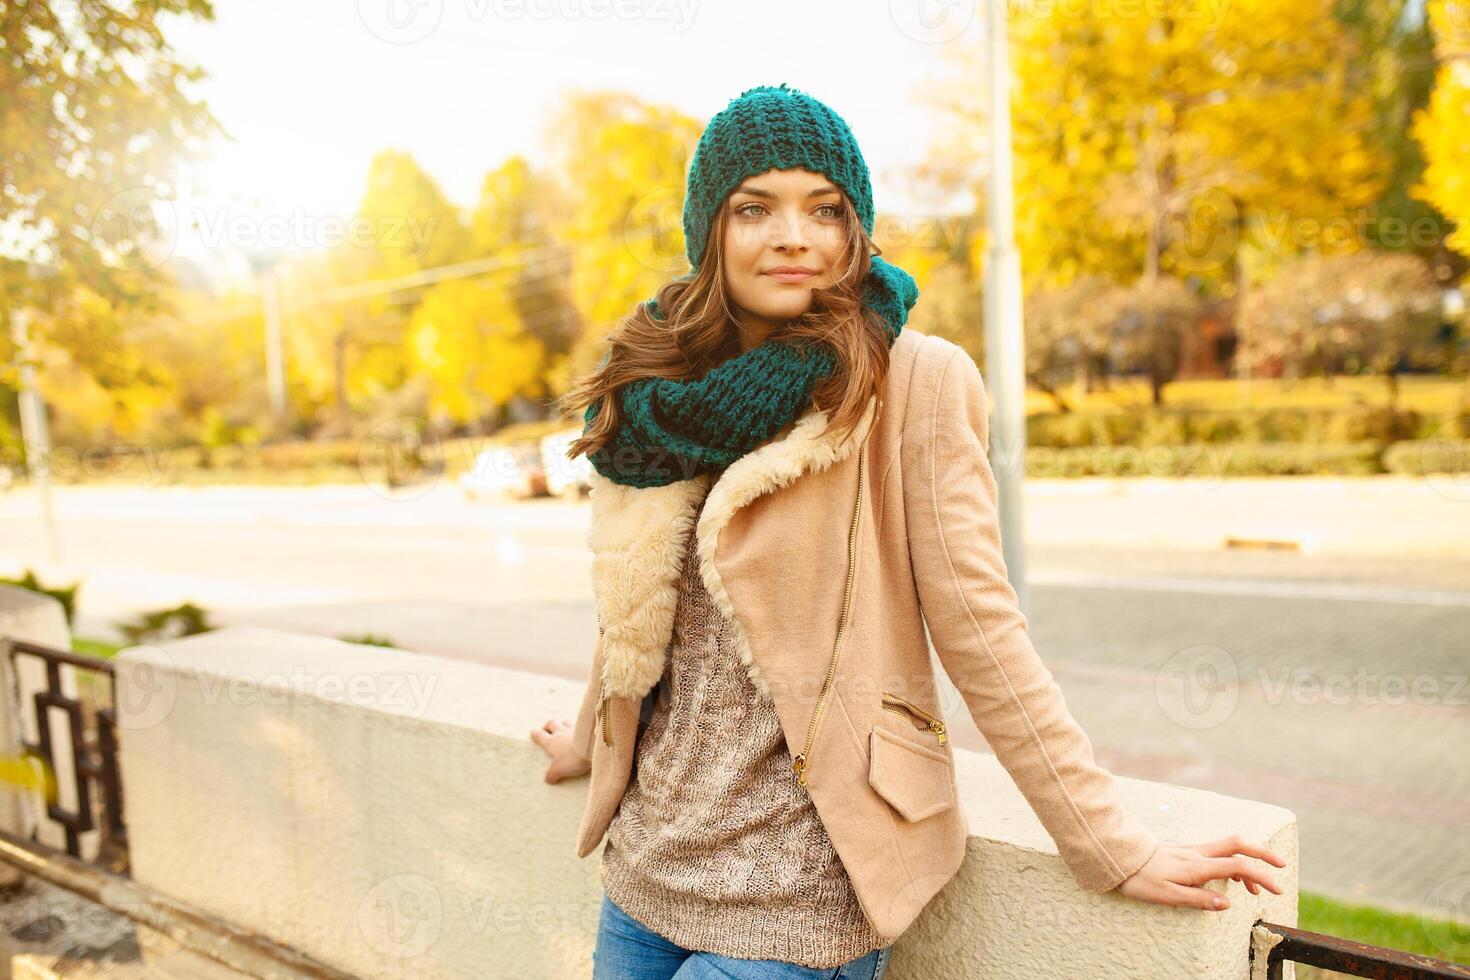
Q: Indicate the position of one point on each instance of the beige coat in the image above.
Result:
(830, 557)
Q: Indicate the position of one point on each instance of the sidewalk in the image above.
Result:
(1380, 515)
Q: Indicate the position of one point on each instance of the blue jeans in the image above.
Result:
(629, 950)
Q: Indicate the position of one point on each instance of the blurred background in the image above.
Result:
(288, 289)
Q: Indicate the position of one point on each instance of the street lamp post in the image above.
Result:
(265, 263)
(1005, 352)
(33, 427)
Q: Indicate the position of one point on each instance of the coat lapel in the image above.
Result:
(638, 536)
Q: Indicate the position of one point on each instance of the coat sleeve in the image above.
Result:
(980, 633)
(585, 728)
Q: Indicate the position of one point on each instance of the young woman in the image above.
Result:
(789, 486)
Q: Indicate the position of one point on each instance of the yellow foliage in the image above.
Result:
(1177, 129)
(1443, 128)
(625, 163)
(467, 340)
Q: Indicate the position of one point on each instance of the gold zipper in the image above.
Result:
(800, 762)
(602, 703)
(895, 703)
(602, 720)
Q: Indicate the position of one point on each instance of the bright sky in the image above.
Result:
(310, 89)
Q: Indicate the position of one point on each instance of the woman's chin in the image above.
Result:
(787, 307)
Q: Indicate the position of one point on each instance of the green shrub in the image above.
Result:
(184, 619)
(369, 639)
(1232, 459)
(1181, 427)
(1417, 457)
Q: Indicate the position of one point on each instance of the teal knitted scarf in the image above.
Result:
(674, 430)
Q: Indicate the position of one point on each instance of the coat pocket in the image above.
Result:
(916, 780)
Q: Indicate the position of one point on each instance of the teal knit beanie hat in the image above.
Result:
(764, 128)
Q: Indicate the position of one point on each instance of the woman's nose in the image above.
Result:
(790, 231)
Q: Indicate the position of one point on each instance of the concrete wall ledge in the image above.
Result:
(384, 812)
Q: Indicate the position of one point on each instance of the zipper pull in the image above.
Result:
(937, 727)
(798, 766)
(602, 720)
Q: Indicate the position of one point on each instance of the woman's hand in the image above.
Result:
(1175, 872)
(556, 738)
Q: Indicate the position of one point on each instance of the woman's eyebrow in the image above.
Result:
(761, 192)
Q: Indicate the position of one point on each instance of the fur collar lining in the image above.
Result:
(638, 536)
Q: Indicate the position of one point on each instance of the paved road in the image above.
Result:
(1331, 682)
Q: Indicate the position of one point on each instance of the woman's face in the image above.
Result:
(784, 236)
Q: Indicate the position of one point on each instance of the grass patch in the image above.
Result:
(1439, 938)
(100, 649)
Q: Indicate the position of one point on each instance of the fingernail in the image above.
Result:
(1220, 903)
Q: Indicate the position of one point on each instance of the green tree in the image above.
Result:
(1443, 128)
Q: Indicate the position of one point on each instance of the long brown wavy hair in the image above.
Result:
(700, 332)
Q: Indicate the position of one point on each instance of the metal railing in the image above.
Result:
(92, 728)
(1287, 944)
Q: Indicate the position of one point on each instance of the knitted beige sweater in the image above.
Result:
(715, 846)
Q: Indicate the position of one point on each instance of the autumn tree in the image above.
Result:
(1153, 316)
(1372, 310)
(1068, 333)
(1443, 129)
(1394, 65)
(516, 220)
(466, 338)
(95, 124)
(623, 163)
(1166, 140)
(410, 226)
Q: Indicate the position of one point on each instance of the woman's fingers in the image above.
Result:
(1235, 844)
(1250, 886)
(541, 736)
(1195, 898)
(1239, 868)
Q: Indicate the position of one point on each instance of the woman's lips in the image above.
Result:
(790, 276)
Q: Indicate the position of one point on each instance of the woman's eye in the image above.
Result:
(824, 210)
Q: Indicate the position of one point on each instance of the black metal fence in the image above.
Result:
(1353, 959)
(90, 722)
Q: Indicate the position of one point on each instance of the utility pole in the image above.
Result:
(1005, 351)
(33, 427)
(265, 264)
(275, 355)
